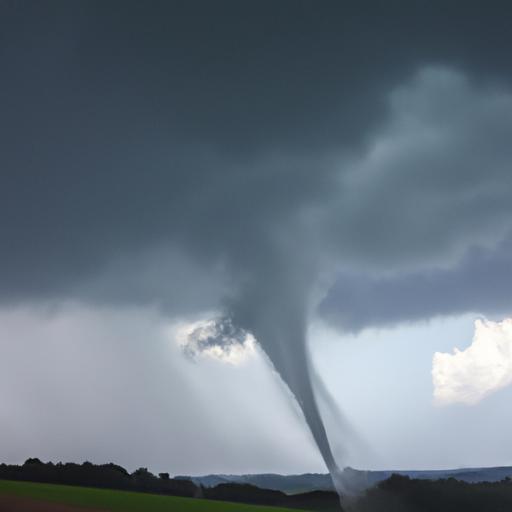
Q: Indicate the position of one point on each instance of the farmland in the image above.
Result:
(77, 498)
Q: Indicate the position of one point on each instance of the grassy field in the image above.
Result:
(122, 501)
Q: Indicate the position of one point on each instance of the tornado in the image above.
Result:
(275, 311)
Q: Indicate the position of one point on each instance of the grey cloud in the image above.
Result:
(80, 383)
(426, 209)
(204, 127)
(436, 179)
(481, 283)
(135, 278)
(243, 136)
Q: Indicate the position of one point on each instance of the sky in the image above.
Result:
(232, 229)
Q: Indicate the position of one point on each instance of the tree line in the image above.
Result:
(396, 494)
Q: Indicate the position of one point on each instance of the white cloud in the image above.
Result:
(484, 367)
(215, 339)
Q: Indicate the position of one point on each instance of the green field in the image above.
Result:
(122, 501)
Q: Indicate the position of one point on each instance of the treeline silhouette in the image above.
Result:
(87, 474)
(324, 501)
(112, 476)
(396, 494)
(403, 494)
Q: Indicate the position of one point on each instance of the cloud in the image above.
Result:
(425, 215)
(435, 180)
(310, 147)
(216, 338)
(479, 283)
(470, 375)
(80, 383)
(129, 135)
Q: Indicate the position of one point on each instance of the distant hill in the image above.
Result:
(307, 482)
(289, 484)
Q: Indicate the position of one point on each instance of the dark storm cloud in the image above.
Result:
(429, 205)
(480, 283)
(126, 126)
(437, 176)
(259, 142)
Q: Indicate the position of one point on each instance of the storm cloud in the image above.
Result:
(221, 129)
(426, 217)
(479, 283)
(240, 157)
